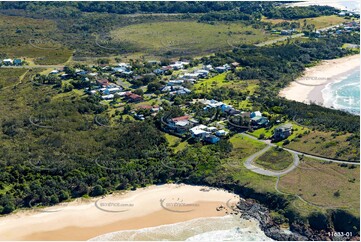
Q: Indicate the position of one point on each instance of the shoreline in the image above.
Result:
(143, 208)
(308, 88)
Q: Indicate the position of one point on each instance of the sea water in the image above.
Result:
(344, 94)
(226, 228)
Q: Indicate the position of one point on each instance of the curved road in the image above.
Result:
(250, 166)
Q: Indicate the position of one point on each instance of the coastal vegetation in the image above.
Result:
(59, 143)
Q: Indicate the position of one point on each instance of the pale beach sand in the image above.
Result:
(146, 207)
(308, 88)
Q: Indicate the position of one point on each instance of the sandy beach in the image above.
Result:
(308, 87)
(147, 207)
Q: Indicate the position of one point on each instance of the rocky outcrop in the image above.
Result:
(251, 209)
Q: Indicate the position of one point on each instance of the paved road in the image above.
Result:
(249, 164)
(300, 153)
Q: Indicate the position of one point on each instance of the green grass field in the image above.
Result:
(188, 37)
(326, 144)
(242, 148)
(297, 130)
(325, 185)
(275, 159)
(31, 39)
(319, 22)
(9, 76)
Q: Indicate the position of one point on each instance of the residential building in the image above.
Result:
(282, 131)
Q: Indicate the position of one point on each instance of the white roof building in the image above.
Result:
(108, 97)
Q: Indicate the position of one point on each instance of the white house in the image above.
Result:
(8, 61)
(255, 114)
(221, 133)
(108, 97)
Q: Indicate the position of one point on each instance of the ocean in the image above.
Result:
(344, 94)
(227, 228)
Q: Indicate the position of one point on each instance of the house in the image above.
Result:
(177, 66)
(112, 90)
(255, 114)
(260, 121)
(211, 139)
(207, 67)
(175, 82)
(132, 97)
(202, 73)
(221, 69)
(212, 129)
(235, 64)
(54, 72)
(221, 133)
(282, 131)
(199, 131)
(125, 65)
(108, 97)
(119, 69)
(191, 75)
(179, 123)
(103, 82)
(8, 62)
(166, 89)
(159, 71)
(17, 62)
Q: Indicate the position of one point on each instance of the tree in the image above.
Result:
(139, 91)
(97, 191)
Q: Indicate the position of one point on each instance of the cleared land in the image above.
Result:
(242, 148)
(275, 159)
(188, 37)
(327, 144)
(10, 77)
(325, 185)
(32, 40)
(319, 22)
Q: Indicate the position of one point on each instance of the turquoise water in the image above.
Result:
(344, 94)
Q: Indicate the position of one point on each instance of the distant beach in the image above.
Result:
(133, 210)
(311, 86)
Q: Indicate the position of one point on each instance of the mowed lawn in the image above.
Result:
(188, 37)
(324, 184)
(275, 159)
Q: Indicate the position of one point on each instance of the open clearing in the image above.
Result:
(319, 22)
(324, 184)
(31, 39)
(275, 159)
(188, 37)
(327, 144)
